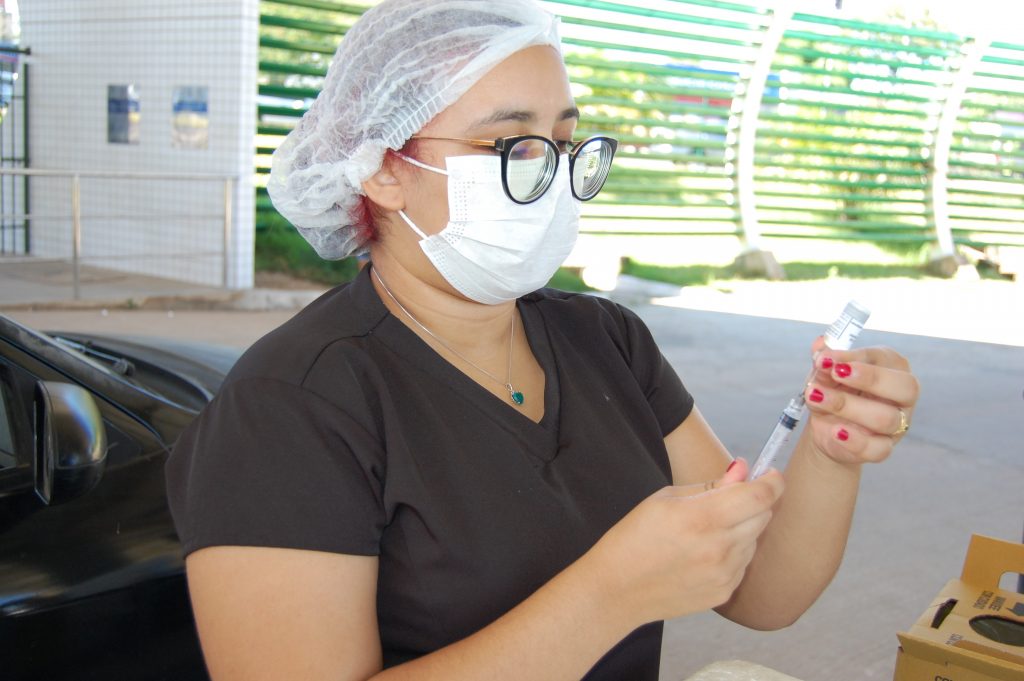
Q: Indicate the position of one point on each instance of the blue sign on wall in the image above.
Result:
(124, 112)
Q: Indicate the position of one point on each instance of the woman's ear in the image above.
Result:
(385, 190)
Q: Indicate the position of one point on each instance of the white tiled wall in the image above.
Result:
(79, 47)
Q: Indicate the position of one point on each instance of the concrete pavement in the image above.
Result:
(965, 309)
(960, 470)
(32, 284)
(743, 351)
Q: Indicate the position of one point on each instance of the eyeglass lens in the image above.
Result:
(531, 167)
(532, 163)
(590, 168)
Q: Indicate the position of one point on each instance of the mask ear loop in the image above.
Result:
(412, 225)
(418, 164)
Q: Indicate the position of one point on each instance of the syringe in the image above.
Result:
(839, 336)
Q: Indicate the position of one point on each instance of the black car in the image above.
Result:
(92, 581)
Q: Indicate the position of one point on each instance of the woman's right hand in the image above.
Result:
(684, 549)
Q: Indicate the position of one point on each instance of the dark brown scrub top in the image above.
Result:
(342, 431)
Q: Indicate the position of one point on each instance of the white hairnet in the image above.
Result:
(401, 63)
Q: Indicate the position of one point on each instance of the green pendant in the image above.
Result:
(517, 397)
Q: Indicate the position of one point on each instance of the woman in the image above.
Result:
(439, 472)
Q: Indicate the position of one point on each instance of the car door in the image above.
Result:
(91, 587)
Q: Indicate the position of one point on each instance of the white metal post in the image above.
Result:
(939, 179)
(229, 193)
(76, 232)
(751, 91)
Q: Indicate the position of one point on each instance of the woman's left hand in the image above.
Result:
(861, 402)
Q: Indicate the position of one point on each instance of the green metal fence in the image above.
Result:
(740, 119)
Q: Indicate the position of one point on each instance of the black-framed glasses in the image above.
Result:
(529, 164)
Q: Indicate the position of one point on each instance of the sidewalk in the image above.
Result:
(986, 311)
(48, 285)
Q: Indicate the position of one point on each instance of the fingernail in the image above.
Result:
(843, 370)
(827, 363)
(816, 396)
(734, 462)
(843, 435)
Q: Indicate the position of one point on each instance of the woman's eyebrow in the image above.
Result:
(520, 116)
(504, 115)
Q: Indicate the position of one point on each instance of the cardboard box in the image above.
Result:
(973, 630)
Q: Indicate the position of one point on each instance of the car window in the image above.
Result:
(7, 458)
(15, 383)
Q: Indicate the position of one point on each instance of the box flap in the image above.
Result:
(945, 655)
(988, 558)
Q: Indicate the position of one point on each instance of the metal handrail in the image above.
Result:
(76, 205)
(122, 174)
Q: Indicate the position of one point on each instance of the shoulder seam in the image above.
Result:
(290, 384)
(334, 341)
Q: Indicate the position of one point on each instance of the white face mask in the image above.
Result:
(494, 250)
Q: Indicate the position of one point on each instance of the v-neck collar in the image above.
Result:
(541, 437)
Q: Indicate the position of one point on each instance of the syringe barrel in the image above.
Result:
(839, 336)
(776, 441)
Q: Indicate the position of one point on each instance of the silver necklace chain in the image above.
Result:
(514, 395)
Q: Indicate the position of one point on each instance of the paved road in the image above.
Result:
(959, 471)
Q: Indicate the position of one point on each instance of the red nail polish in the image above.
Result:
(827, 363)
(843, 435)
(816, 396)
(843, 370)
(734, 462)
